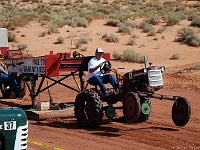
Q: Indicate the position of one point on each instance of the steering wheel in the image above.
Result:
(105, 67)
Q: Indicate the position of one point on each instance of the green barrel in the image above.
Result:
(13, 129)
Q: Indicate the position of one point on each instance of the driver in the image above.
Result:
(12, 83)
(96, 77)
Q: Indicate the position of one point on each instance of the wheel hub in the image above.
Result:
(146, 109)
(110, 112)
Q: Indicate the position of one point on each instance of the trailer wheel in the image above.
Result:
(145, 109)
(181, 111)
(131, 107)
(88, 110)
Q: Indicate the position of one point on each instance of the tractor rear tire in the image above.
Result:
(88, 110)
(181, 111)
(144, 114)
(131, 107)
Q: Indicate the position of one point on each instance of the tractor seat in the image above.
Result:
(90, 84)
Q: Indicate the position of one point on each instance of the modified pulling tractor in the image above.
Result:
(136, 89)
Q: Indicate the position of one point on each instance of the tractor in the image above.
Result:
(137, 87)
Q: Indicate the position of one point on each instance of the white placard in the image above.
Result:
(10, 125)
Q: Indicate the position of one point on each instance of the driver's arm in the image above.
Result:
(2, 70)
(91, 70)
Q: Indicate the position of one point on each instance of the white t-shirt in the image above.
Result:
(93, 63)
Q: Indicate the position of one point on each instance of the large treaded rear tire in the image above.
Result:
(131, 107)
(181, 111)
(88, 109)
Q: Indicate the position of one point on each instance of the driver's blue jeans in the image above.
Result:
(101, 80)
(10, 80)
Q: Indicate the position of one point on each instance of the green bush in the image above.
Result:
(61, 39)
(161, 30)
(171, 19)
(151, 33)
(154, 20)
(113, 22)
(195, 67)
(53, 28)
(11, 37)
(196, 21)
(129, 55)
(175, 56)
(188, 36)
(146, 27)
(116, 55)
(112, 38)
(22, 46)
(122, 28)
(78, 22)
(131, 41)
(84, 39)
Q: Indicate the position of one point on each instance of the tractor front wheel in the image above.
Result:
(131, 107)
(145, 109)
(181, 111)
(88, 109)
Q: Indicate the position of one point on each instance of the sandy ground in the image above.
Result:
(158, 132)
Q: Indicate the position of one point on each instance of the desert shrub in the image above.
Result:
(121, 15)
(196, 21)
(171, 19)
(125, 29)
(175, 56)
(78, 22)
(191, 16)
(61, 39)
(11, 37)
(130, 55)
(131, 41)
(113, 22)
(84, 39)
(161, 30)
(188, 36)
(195, 41)
(181, 8)
(52, 2)
(112, 38)
(53, 28)
(105, 2)
(146, 27)
(116, 55)
(151, 33)
(153, 20)
(195, 67)
(171, 3)
(22, 46)
(58, 20)
(44, 23)
(104, 36)
(19, 21)
(44, 33)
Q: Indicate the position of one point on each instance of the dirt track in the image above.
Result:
(159, 132)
